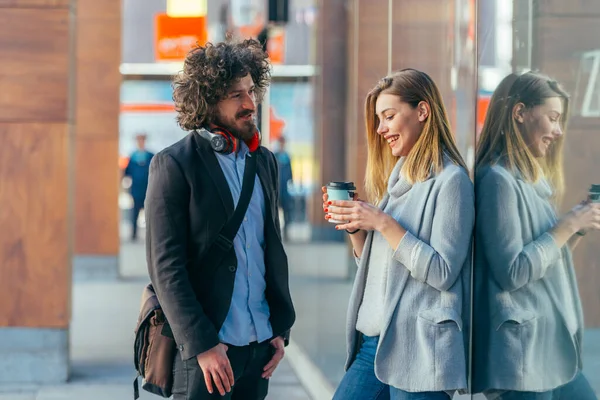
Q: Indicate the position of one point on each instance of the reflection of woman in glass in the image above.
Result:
(408, 312)
(528, 321)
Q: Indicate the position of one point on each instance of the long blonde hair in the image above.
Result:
(501, 137)
(435, 140)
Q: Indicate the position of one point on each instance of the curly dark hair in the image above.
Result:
(210, 71)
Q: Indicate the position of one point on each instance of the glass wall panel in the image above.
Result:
(537, 304)
(383, 37)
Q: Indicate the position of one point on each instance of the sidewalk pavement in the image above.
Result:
(102, 331)
(104, 315)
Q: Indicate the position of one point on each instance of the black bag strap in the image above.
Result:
(224, 242)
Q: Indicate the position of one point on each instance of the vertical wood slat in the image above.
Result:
(97, 127)
(369, 64)
(330, 96)
(34, 251)
(34, 65)
(35, 3)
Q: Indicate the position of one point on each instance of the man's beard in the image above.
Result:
(243, 130)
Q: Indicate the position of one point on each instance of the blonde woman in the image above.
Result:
(408, 312)
(528, 318)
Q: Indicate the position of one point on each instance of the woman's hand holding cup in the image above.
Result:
(337, 191)
(585, 216)
(326, 203)
(352, 214)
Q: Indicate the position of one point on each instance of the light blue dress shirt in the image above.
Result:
(248, 317)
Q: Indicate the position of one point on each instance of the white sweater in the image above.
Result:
(370, 313)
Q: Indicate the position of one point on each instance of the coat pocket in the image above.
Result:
(512, 316)
(441, 339)
(441, 316)
(514, 352)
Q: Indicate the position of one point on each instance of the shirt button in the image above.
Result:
(248, 246)
(246, 219)
(232, 268)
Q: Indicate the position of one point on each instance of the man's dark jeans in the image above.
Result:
(247, 363)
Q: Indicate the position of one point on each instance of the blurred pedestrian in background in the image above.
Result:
(137, 170)
(286, 202)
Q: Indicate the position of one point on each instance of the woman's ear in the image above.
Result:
(423, 111)
(518, 112)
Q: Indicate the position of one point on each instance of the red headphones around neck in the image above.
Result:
(222, 141)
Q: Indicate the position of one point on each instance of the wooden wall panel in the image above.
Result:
(425, 38)
(109, 10)
(420, 38)
(372, 44)
(35, 3)
(97, 127)
(34, 251)
(98, 76)
(364, 40)
(423, 47)
(97, 196)
(370, 56)
(34, 64)
(330, 95)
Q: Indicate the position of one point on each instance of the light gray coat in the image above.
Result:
(423, 341)
(527, 316)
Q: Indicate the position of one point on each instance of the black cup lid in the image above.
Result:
(341, 185)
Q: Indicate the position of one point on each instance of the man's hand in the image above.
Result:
(278, 344)
(216, 367)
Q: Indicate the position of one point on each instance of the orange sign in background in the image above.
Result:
(483, 103)
(276, 126)
(175, 37)
(276, 46)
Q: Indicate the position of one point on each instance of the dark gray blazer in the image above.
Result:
(187, 203)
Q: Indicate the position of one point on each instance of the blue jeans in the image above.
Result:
(360, 382)
(578, 389)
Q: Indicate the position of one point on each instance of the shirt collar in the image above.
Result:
(244, 150)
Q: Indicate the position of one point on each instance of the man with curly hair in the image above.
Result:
(230, 319)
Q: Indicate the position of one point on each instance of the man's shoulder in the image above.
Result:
(267, 158)
(178, 150)
(268, 154)
(264, 150)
